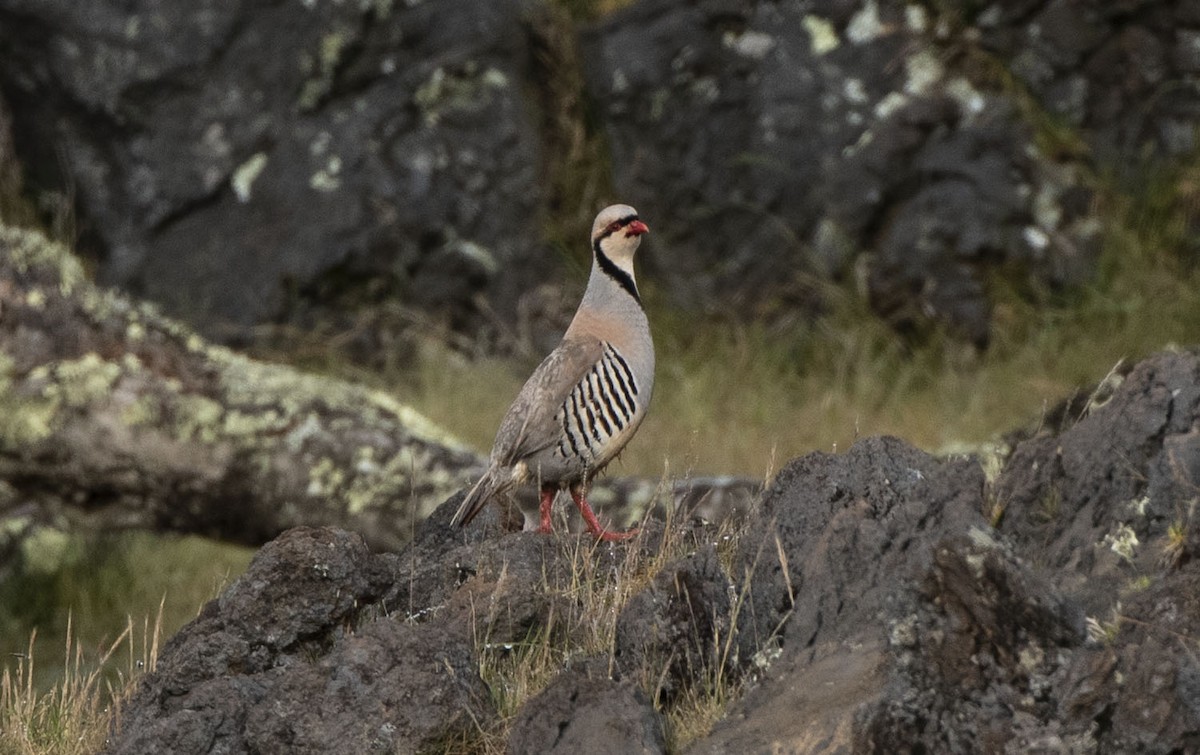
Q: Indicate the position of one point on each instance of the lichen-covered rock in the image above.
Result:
(112, 415)
(793, 142)
(975, 665)
(238, 162)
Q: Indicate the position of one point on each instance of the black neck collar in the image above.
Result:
(623, 279)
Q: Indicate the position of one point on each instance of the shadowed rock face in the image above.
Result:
(878, 612)
(1122, 72)
(794, 142)
(235, 161)
(245, 163)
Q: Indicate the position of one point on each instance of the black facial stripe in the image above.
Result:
(608, 231)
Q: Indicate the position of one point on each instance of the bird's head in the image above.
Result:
(617, 233)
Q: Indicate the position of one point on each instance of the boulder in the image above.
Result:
(1121, 73)
(577, 713)
(244, 163)
(792, 144)
(877, 610)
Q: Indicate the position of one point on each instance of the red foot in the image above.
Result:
(547, 502)
(593, 524)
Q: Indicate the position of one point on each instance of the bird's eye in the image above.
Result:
(614, 226)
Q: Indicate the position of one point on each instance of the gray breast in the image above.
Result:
(598, 411)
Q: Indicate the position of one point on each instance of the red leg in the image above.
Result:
(593, 524)
(547, 502)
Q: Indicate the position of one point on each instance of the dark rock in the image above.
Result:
(243, 162)
(391, 687)
(837, 535)
(806, 706)
(585, 715)
(1089, 500)
(792, 143)
(678, 630)
(297, 655)
(974, 665)
(1121, 72)
(878, 612)
(828, 557)
(1138, 688)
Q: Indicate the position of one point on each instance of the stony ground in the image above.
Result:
(881, 600)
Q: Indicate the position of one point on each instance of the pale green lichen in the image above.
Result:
(246, 174)
(444, 91)
(478, 254)
(28, 249)
(865, 25)
(822, 36)
(237, 423)
(1031, 657)
(198, 418)
(329, 54)
(892, 102)
(1122, 541)
(916, 18)
(143, 410)
(922, 70)
(970, 99)
(749, 44)
(24, 418)
(325, 478)
(82, 381)
(328, 177)
(1138, 505)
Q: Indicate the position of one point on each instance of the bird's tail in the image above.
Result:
(490, 484)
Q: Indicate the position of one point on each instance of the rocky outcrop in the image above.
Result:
(113, 416)
(588, 715)
(378, 169)
(1125, 74)
(885, 601)
(286, 660)
(241, 163)
(795, 143)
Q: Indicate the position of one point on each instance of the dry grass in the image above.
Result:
(740, 398)
(597, 588)
(729, 398)
(73, 715)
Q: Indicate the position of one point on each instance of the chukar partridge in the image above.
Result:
(586, 399)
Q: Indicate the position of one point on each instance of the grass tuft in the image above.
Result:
(72, 716)
(597, 587)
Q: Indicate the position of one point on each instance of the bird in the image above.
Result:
(588, 397)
